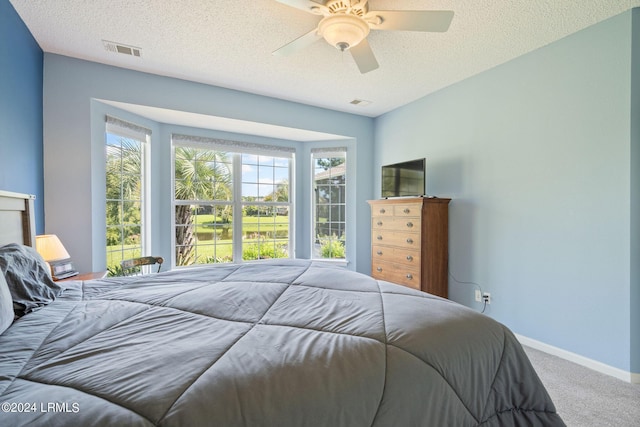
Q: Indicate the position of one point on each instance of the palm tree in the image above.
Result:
(200, 174)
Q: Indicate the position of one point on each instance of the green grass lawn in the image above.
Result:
(249, 223)
(220, 248)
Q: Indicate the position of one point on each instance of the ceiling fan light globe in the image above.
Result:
(343, 31)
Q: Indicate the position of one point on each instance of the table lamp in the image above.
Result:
(54, 253)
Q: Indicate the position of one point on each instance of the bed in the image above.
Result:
(276, 343)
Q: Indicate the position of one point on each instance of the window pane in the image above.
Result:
(329, 205)
(280, 174)
(265, 228)
(249, 159)
(124, 199)
(185, 234)
(209, 180)
(114, 258)
(265, 160)
(265, 192)
(131, 235)
(265, 231)
(131, 213)
(249, 173)
(114, 212)
(282, 192)
(202, 174)
(131, 253)
(114, 238)
(265, 174)
(183, 255)
(281, 162)
(249, 192)
(131, 187)
(204, 234)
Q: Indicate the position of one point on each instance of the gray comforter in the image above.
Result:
(287, 343)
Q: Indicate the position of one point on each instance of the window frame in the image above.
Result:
(324, 152)
(128, 130)
(236, 150)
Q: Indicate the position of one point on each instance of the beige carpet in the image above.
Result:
(586, 398)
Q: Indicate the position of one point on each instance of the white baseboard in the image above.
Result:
(603, 368)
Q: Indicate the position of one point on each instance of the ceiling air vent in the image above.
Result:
(360, 102)
(122, 48)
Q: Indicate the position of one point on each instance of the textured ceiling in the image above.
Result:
(228, 43)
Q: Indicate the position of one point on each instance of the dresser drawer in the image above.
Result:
(395, 223)
(396, 273)
(407, 210)
(381, 210)
(400, 255)
(401, 239)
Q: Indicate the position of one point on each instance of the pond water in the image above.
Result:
(221, 235)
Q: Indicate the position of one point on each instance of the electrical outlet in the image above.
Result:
(478, 295)
(487, 297)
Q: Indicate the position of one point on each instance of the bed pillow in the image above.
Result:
(27, 277)
(6, 305)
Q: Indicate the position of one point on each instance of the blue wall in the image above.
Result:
(535, 155)
(634, 301)
(20, 110)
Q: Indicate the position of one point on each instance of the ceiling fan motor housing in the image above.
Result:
(353, 7)
(343, 31)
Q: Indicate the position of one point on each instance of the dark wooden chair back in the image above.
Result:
(133, 266)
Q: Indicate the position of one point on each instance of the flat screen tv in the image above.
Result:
(404, 179)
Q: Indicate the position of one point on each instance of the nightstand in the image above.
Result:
(86, 276)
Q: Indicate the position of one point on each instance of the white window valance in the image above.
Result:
(329, 150)
(125, 128)
(233, 146)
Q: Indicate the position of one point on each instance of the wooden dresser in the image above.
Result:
(410, 242)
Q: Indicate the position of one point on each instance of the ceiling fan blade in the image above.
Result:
(298, 44)
(411, 20)
(364, 57)
(306, 5)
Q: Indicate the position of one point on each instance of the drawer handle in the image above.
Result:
(409, 276)
(409, 258)
(379, 269)
(410, 224)
(379, 237)
(410, 240)
(379, 223)
(406, 210)
(382, 211)
(379, 252)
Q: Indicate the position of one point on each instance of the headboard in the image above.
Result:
(17, 219)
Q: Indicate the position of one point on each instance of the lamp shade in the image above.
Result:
(343, 31)
(51, 248)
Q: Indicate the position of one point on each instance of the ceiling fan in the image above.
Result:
(346, 24)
